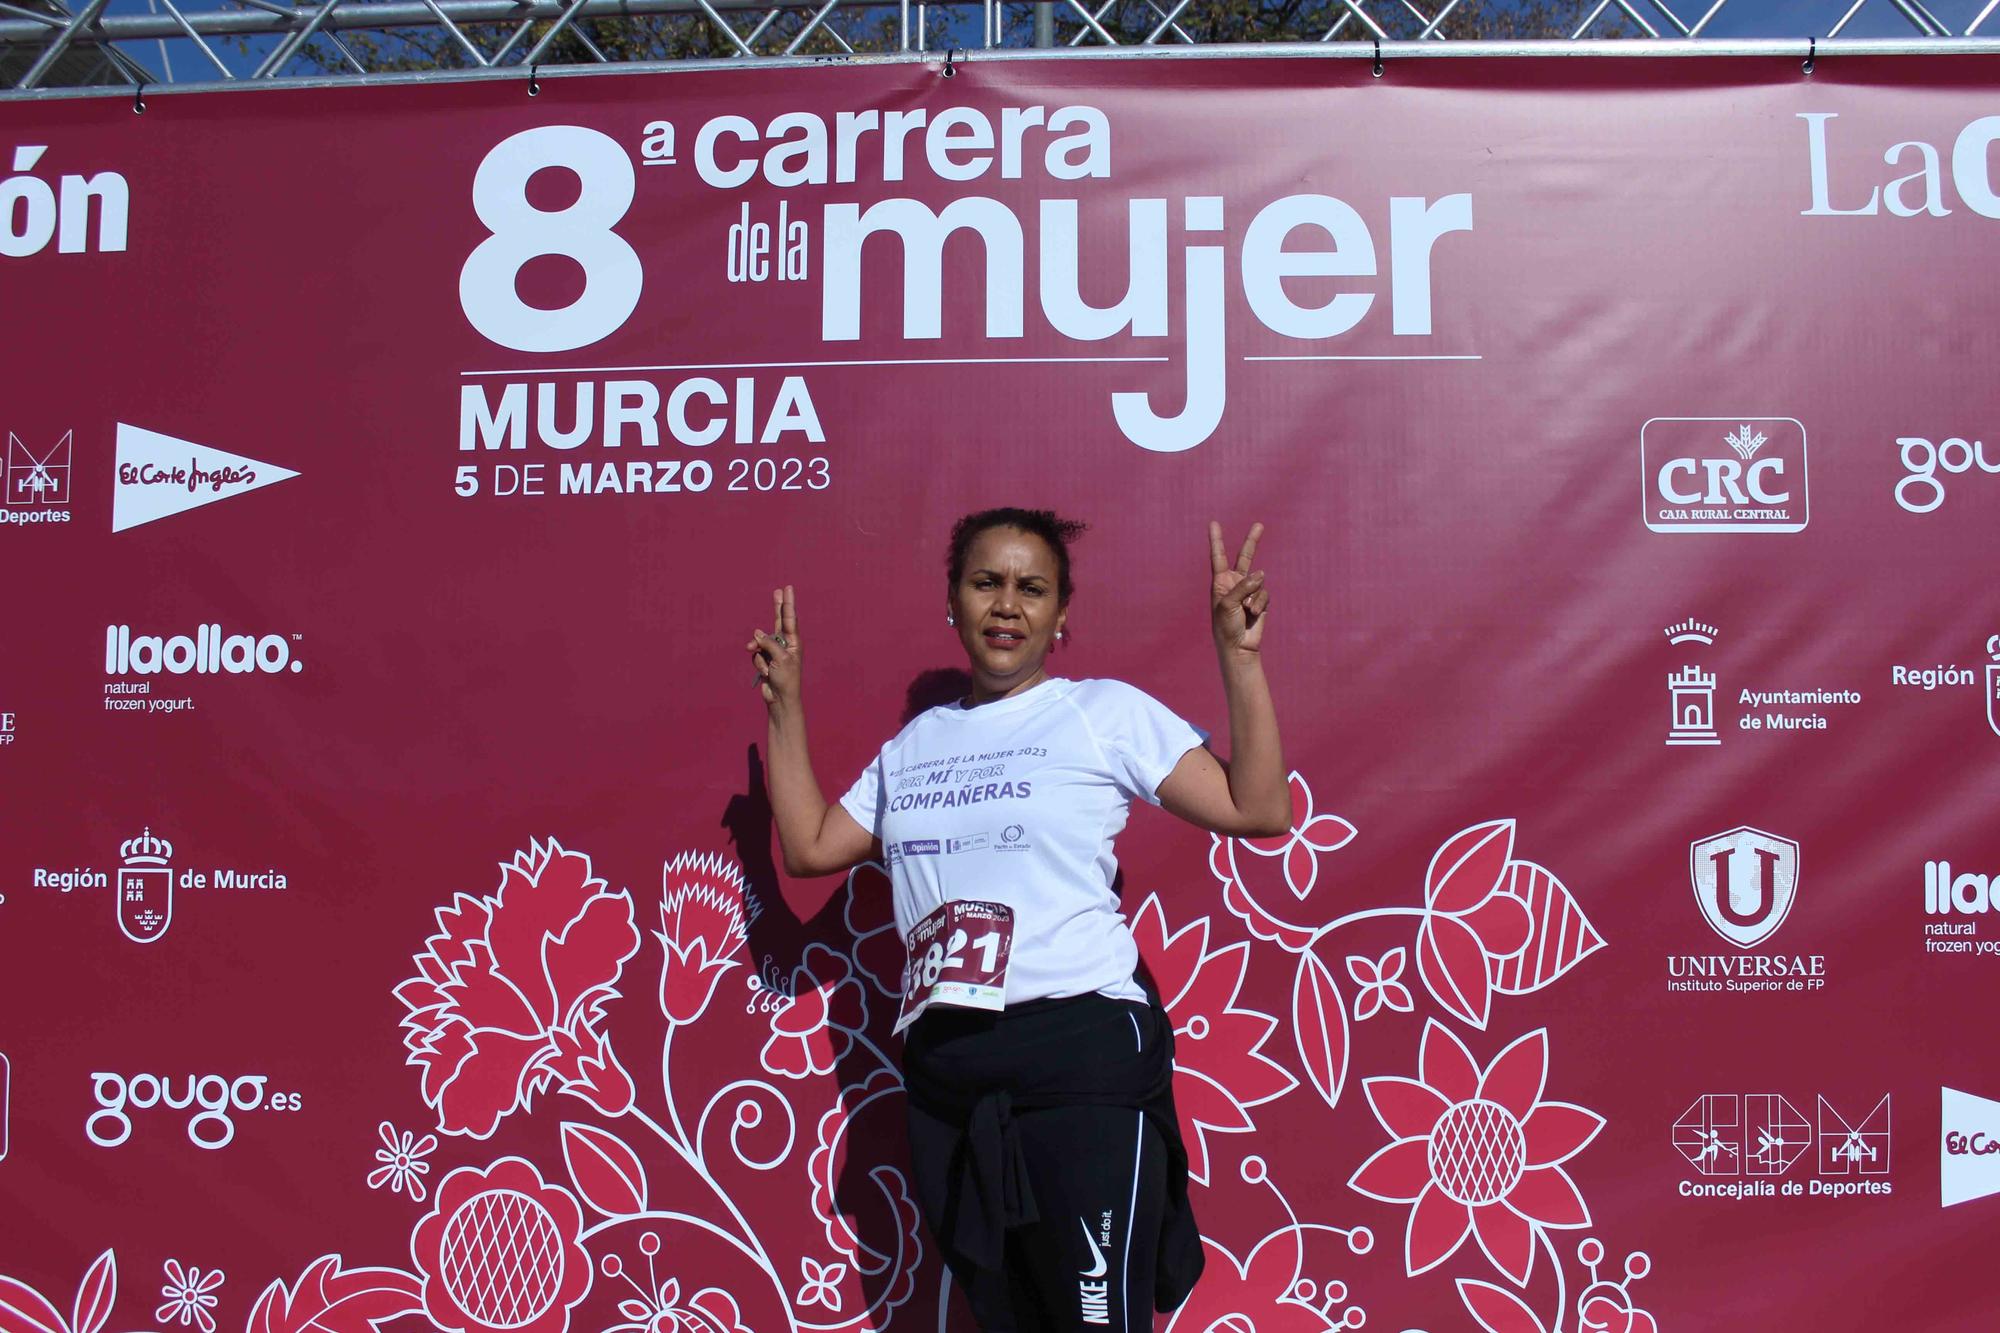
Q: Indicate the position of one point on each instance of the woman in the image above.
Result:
(1044, 1146)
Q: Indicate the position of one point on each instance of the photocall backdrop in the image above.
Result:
(389, 927)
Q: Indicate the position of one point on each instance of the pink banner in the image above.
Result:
(390, 932)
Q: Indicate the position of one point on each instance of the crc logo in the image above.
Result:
(1724, 474)
(1744, 883)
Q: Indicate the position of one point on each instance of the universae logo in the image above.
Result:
(1744, 882)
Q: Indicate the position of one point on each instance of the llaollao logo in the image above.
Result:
(207, 651)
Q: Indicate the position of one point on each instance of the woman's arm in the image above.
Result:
(1247, 796)
(816, 838)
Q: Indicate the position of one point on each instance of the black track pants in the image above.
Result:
(1096, 1173)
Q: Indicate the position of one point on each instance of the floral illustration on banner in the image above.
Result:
(188, 1296)
(403, 1167)
(1220, 1070)
(668, 1183)
(1381, 985)
(1477, 1153)
(510, 993)
(501, 1250)
(1472, 1153)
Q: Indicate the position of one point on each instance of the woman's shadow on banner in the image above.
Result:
(778, 939)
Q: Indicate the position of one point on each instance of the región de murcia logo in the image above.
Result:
(145, 882)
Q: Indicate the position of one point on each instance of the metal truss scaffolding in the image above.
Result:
(45, 44)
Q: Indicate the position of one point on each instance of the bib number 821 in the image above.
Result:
(612, 274)
(952, 954)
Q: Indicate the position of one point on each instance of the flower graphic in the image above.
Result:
(1471, 921)
(1379, 985)
(1301, 845)
(813, 1027)
(511, 990)
(403, 1165)
(1266, 1292)
(189, 1295)
(1220, 1070)
(705, 911)
(1477, 1153)
(660, 1308)
(1606, 1304)
(820, 1284)
(500, 1253)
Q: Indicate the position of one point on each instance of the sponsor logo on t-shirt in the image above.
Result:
(973, 843)
(921, 847)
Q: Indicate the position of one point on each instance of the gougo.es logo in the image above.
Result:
(211, 1097)
(1920, 489)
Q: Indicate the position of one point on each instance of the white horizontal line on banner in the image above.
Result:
(1414, 356)
(528, 371)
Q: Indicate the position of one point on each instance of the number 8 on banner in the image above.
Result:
(611, 271)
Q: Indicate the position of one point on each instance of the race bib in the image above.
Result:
(957, 956)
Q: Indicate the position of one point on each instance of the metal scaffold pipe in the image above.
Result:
(394, 14)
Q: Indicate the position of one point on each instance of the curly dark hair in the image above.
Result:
(1044, 523)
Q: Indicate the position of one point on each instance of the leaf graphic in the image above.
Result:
(97, 1294)
(1319, 1025)
(1498, 1310)
(1559, 935)
(1452, 963)
(607, 1172)
(25, 1310)
(269, 1310)
(1469, 866)
(328, 1299)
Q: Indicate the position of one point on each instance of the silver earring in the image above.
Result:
(951, 620)
(1058, 634)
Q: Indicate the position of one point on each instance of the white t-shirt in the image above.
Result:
(1017, 801)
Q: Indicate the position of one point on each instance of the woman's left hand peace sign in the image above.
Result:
(1238, 599)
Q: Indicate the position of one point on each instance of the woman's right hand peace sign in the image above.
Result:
(1237, 597)
(776, 655)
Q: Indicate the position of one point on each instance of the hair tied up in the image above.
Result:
(1057, 532)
